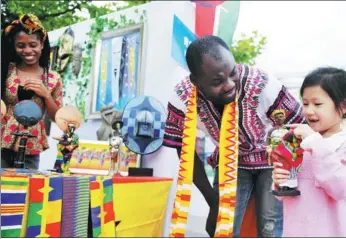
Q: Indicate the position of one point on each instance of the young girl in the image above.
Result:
(320, 210)
(25, 75)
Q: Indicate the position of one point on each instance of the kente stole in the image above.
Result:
(228, 168)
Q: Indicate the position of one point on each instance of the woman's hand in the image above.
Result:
(37, 86)
(279, 175)
(301, 131)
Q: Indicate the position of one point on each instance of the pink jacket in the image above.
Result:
(320, 210)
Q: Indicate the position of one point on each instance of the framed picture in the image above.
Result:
(116, 71)
(93, 157)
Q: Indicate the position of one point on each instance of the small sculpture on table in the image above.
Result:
(68, 119)
(290, 155)
(115, 145)
(276, 134)
(109, 116)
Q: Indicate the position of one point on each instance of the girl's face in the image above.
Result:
(320, 111)
(28, 48)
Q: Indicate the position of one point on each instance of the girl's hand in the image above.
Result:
(279, 175)
(301, 131)
(37, 86)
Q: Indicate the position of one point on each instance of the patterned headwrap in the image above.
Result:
(278, 111)
(31, 24)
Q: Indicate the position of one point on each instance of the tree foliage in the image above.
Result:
(248, 47)
(59, 13)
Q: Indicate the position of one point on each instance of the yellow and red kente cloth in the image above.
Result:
(228, 166)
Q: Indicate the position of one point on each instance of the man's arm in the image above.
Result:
(276, 96)
(201, 181)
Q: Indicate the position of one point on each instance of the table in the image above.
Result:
(44, 205)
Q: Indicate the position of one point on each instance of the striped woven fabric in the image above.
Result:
(101, 203)
(75, 207)
(228, 163)
(45, 202)
(13, 205)
(184, 183)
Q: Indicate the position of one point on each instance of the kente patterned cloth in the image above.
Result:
(75, 206)
(45, 204)
(259, 95)
(14, 191)
(101, 203)
(228, 166)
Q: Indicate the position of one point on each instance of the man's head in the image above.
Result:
(213, 69)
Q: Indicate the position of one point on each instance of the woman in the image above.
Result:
(25, 75)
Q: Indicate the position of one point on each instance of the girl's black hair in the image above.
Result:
(9, 54)
(332, 80)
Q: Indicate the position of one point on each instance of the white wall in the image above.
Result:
(161, 71)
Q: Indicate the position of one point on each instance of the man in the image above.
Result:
(217, 78)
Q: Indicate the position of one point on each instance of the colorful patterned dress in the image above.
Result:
(9, 124)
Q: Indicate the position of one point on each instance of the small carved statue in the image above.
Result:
(68, 119)
(290, 155)
(65, 49)
(275, 135)
(109, 116)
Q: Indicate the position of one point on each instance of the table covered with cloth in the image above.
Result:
(46, 204)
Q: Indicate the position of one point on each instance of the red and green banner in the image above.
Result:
(217, 18)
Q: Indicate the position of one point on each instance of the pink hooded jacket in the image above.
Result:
(320, 210)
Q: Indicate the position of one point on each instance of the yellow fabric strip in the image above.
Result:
(185, 177)
(228, 169)
(228, 165)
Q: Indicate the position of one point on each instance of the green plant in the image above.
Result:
(60, 13)
(248, 47)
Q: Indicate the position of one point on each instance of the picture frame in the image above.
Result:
(117, 72)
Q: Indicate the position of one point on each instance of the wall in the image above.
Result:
(161, 74)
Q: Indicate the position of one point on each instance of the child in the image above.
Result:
(320, 210)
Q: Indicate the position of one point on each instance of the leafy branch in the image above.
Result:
(248, 48)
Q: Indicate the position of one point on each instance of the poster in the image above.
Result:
(93, 157)
(182, 37)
